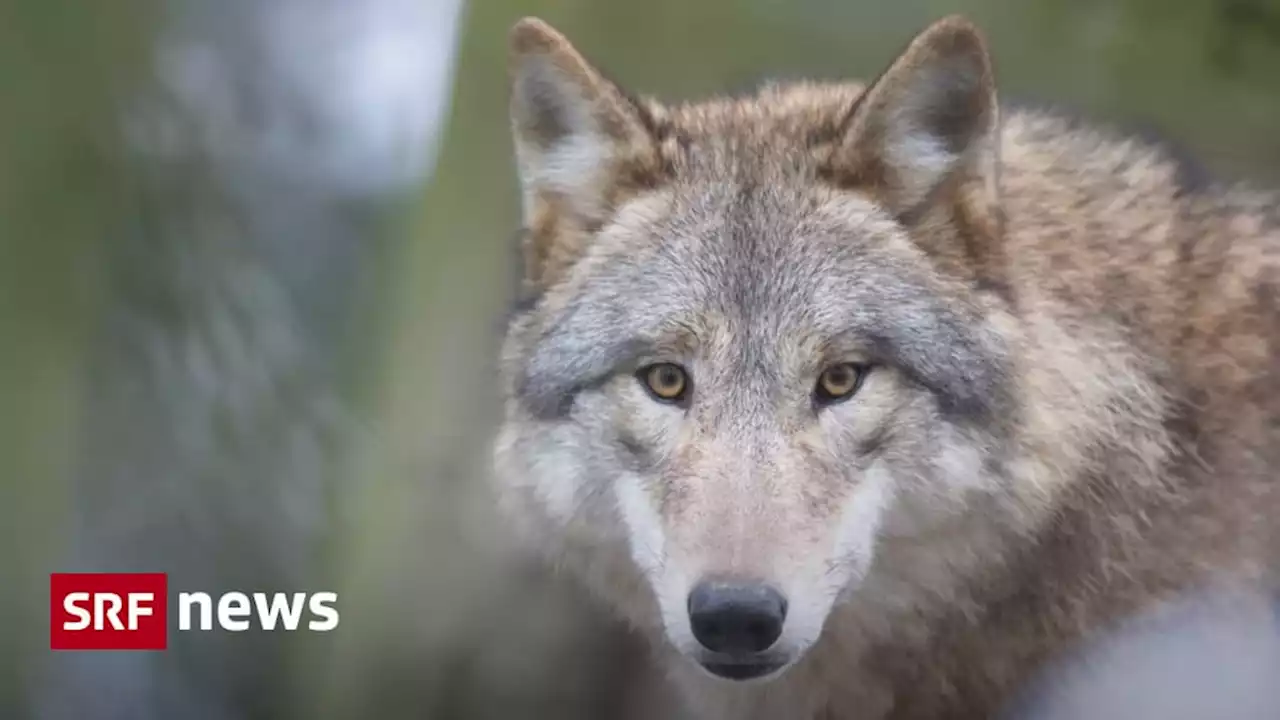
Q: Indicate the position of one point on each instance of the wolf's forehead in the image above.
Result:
(785, 267)
(778, 266)
(766, 254)
(770, 135)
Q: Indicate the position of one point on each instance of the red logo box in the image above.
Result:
(108, 611)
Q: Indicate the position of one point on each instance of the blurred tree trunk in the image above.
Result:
(253, 170)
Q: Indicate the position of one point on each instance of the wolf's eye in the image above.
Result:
(839, 382)
(665, 381)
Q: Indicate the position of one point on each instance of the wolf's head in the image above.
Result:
(766, 352)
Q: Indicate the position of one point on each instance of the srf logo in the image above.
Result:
(108, 611)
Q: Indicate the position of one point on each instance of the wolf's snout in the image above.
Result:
(736, 618)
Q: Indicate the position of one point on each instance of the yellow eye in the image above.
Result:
(665, 381)
(839, 382)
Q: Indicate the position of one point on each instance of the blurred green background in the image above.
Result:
(433, 624)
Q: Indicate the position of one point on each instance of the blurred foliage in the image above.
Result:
(62, 70)
(1202, 71)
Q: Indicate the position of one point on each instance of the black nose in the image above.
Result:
(736, 617)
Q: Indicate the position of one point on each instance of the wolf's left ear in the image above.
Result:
(580, 142)
(930, 119)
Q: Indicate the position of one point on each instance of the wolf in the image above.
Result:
(868, 400)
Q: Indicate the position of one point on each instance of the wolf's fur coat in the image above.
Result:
(1070, 409)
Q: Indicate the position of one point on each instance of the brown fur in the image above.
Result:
(1141, 425)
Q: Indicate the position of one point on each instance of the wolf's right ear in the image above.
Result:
(929, 119)
(580, 144)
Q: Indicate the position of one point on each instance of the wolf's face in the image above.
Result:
(758, 353)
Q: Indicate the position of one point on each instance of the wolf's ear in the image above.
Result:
(580, 142)
(929, 119)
